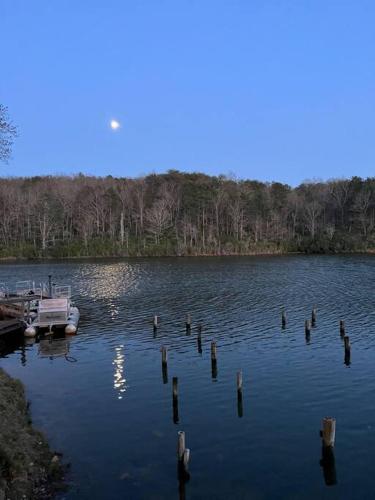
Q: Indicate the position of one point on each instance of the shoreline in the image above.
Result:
(28, 467)
(13, 259)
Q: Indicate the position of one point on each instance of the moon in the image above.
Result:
(115, 124)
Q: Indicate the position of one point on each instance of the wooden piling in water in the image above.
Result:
(239, 381)
(155, 325)
(307, 327)
(199, 339)
(180, 445)
(188, 324)
(164, 364)
(239, 394)
(347, 350)
(327, 463)
(185, 460)
(342, 328)
(213, 360)
(164, 355)
(313, 317)
(213, 351)
(175, 387)
(183, 457)
(283, 318)
(347, 344)
(328, 431)
(175, 399)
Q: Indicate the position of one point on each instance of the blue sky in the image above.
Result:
(269, 90)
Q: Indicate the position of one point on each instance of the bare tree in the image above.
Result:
(8, 132)
(312, 211)
(361, 208)
(158, 218)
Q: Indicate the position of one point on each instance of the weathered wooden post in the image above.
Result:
(239, 394)
(328, 432)
(164, 364)
(180, 445)
(213, 351)
(164, 355)
(155, 325)
(213, 360)
(175, 399)
(183, 457)
(342, 328)
(327, 462)
(347, 344)
(186, 459)
(307, 327)
(199, 339)
(188, 324)
(283, 319)
(347, 350)
(313, 317)
(239, 382)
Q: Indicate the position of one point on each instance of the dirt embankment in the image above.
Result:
(28, 468)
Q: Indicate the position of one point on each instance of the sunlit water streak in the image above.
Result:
(108, 409)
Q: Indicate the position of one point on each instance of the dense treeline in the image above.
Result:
(182, 214)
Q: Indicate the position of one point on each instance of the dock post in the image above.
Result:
(307, 327)
(213, 360)
(239, 394)
(213, 351)
(327, 462)
(347, 350)
(180, 445)
(283, 319)
(183, 457)
(199, 339)
(155, 323)
(164, 364)
(175, 399)
(239, 382)
(328, 431)
(188, 324)
(313, 317)
(164, 355)
(342, 328)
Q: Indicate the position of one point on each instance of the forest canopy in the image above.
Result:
(178, 213)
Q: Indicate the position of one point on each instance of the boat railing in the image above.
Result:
(24, 287)
(41, 290)
(62, 292)
(4, 291)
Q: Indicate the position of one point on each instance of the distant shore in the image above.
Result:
(192, 256)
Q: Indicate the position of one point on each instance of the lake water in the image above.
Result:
(108, 408)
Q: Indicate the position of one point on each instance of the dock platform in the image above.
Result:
(10, 325)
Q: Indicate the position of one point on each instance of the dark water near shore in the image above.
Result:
(107, 409)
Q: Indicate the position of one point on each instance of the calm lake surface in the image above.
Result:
(107, 408)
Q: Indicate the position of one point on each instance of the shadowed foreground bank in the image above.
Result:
(28, 468)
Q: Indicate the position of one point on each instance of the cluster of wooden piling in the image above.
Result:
(309, 324)
(327, 433)
(183, 453)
